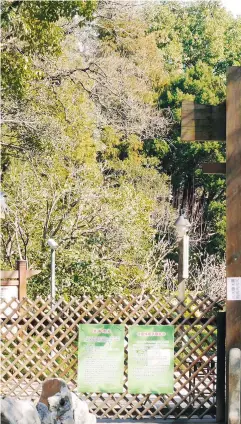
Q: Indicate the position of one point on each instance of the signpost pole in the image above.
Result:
(22, 271)
(53, 288)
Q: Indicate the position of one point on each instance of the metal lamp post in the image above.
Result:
(3, 205)
(182, 226)
(53, 246)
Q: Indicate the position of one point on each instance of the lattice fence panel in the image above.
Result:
(40, 342)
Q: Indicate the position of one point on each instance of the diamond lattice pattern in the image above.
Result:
(39, 342)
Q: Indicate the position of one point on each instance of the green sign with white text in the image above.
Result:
(101, 358)
(151, 359)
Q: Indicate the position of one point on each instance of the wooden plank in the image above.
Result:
(219, 122)
(8, 274)
(14, 274)
(32, 272)
(233, 307)
(10, 283)
(214, 168)
(203, 122)
(190, 134)
(189, 105)
(199, 115)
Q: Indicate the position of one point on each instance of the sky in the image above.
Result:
(233, 6)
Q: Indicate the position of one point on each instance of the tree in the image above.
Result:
(209, 278)
(30, 31)
(32, 34)
(119, 90)
(111, 238)
(75, 169)
(91, 129)
(196, 55)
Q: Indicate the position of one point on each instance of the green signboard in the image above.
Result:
(101, 358)
(150, 359)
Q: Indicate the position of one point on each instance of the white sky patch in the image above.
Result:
(233, 6)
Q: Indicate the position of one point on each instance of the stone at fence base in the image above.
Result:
(62, 407)
(15, 411)
(50, 387)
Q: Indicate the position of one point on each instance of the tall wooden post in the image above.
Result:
(205, 122)
(233, 168)
(22, 275)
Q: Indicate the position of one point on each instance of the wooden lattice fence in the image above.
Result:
(39, 342)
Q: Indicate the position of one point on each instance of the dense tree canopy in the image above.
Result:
(196, 55)
(31, 31)
(91, 150)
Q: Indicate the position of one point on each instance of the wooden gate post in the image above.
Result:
(22, 275)
(205, 122)
(220, 389)
(233, 169)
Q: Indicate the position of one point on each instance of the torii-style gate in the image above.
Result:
(223, 123)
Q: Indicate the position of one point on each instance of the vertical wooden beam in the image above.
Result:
(220, 389)
(22, 275)
(233, 172)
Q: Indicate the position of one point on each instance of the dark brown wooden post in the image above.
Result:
(205, 122)
(220, 389)
(22, 275)
(233, 165)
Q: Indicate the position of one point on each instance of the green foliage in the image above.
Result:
(87, 155)
(16, 72)
(196, 56)
(30, 30)
(216, 214)
(198, 83)
(105, 232)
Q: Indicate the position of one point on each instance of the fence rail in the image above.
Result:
(39, 342)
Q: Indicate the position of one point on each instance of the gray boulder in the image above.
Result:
(15, 411)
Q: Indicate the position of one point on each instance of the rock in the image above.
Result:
(57, 405)
(15, 411)
(81, 411)
(69, 408)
